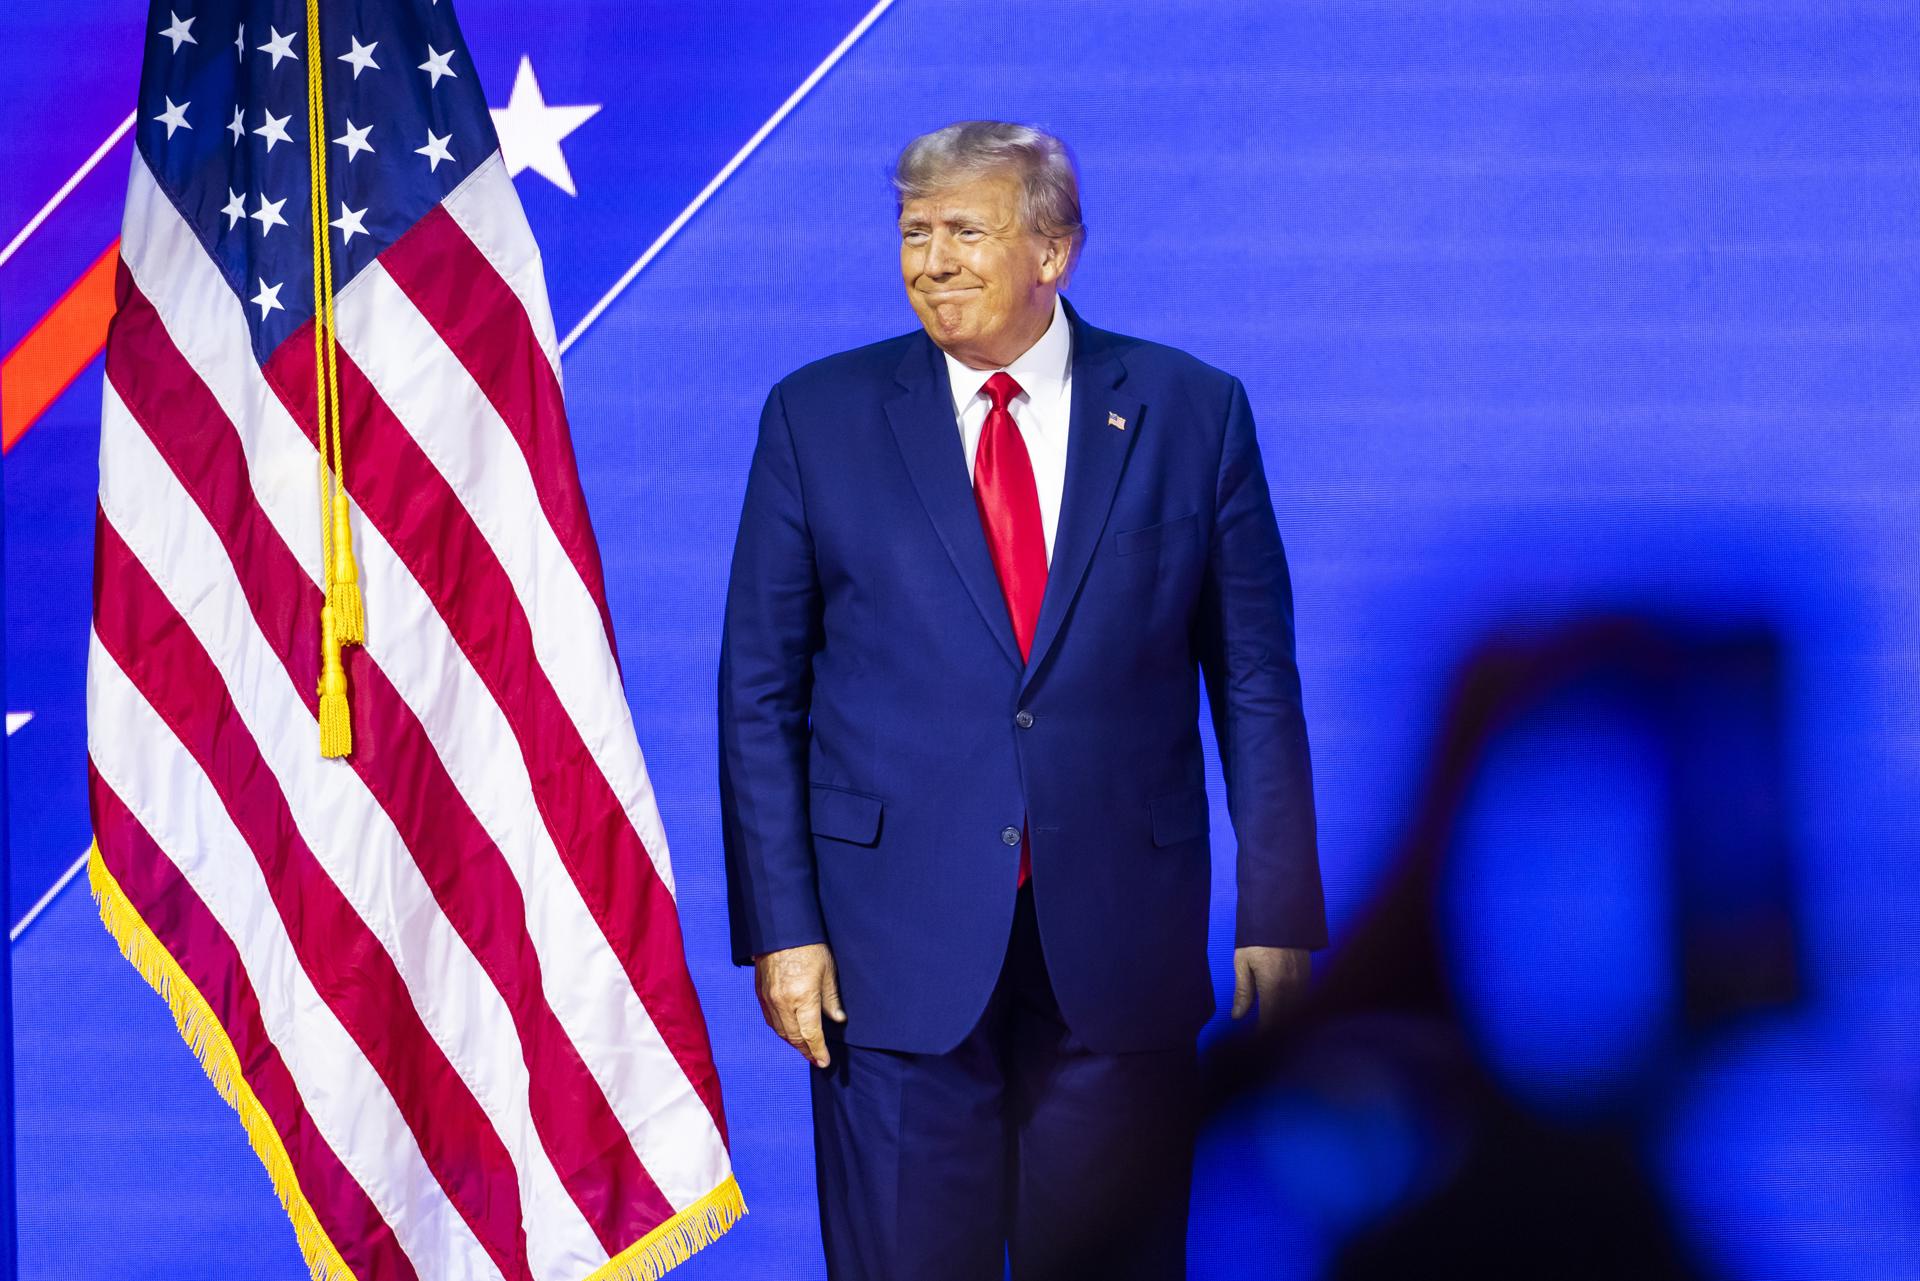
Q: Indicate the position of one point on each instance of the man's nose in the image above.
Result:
(940, 258)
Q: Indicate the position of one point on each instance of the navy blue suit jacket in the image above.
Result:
(881, 741)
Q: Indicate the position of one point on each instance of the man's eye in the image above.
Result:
(915, 237)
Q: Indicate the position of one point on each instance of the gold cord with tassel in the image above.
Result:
(343, 617)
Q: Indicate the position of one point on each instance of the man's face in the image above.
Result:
(980, 280)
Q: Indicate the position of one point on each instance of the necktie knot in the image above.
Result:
(1001, 389)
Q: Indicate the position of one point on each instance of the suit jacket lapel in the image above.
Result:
(1097, 453)
(929, 440)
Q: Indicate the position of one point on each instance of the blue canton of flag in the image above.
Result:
(223, 123)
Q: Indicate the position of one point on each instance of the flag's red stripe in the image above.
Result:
(469, 876)
(159, 386)
(423, 520)
(194, 938)
(437, 265)
(140, 628)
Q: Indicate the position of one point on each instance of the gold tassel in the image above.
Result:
(336, 725)
(343, 585)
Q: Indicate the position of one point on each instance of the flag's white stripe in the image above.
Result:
(348, 831)
(585, 984)
(449, 416)
(487, 208)
(164, 788)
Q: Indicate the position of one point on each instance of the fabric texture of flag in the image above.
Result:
(438, 973)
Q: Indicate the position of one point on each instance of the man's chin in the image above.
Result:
(949, 331)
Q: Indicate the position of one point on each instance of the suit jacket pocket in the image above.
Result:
(1128, 541)
(844, 815)
(1179, 817)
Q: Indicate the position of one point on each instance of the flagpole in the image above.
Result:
(9, 1253)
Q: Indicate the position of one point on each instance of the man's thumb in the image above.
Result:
(830, 996)
(1242, 989)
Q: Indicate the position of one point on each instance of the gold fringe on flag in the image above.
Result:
(209, 1042)
(678, 1239)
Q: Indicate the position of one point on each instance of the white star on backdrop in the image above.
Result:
(435, 151)
(268, 299)
(273, 128)
(361, 56)
(350, 224)
(354, 140)
(15, 720)
(174, 117)
(237, 127)
(279, 46)
(240, 43)
(436, 65)
(236, 208)
(181, 32)
(530, 130)
(268, 215)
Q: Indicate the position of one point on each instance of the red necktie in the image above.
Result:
(1009, 505)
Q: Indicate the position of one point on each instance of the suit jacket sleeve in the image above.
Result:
(771, 633)
(1245, 640)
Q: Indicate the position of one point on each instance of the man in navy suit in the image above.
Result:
(979, 573)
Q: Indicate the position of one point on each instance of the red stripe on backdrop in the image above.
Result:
(469, 876)
(437, 265)
(195, 939)
(210, 959)
(398, 488)
(139, 627)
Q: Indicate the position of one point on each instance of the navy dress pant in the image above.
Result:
(1021, 1145)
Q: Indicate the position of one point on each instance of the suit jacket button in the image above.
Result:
(1024, 719)
(1010, 836)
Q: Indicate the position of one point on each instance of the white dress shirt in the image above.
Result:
(1041, 412)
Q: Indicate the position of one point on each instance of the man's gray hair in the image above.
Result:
(1049, 184)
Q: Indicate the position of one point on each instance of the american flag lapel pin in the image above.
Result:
(1115, 420)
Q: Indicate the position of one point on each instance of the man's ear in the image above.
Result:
(1054, 264)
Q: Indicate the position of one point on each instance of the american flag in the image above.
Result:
(439, 977)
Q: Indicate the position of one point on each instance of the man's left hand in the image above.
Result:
(1275, 977)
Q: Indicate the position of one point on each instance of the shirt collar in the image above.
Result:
(1042, 370)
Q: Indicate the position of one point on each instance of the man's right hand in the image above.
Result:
(795, 986)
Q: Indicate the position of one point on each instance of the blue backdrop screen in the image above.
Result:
(1584, 340)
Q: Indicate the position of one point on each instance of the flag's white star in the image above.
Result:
(361, 56)
(268, 214)
(273, 128)
(174, 117)
(354, 140)
(350, 224)
(16, 720)
(436, 65)
(237, 126)
(240, 43)
(279, 46)
(236, 208)
(530, 130)
(181, 32)
(268, 299)
(435, 151)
